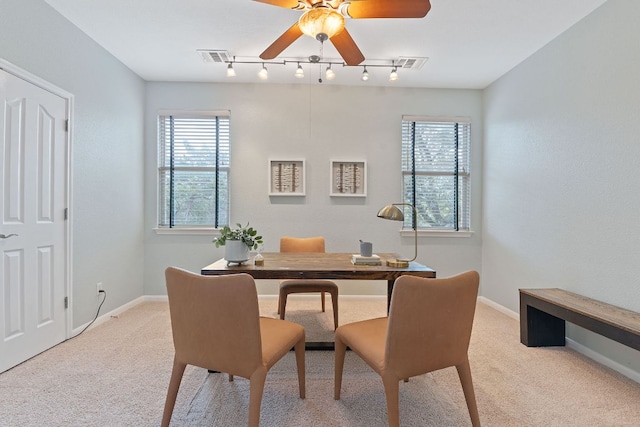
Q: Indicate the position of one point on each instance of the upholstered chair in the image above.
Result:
(291, 286)
(216, 325)
(428, 328)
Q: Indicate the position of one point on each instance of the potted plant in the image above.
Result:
(238, 241)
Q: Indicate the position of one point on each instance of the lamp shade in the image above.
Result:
(321, 20)
(391, 212)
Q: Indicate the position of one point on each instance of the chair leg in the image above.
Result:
(322, 299)
(278, 308)
(256, 388)
(282, 304)
(392, 393)
(299, 349)
(172, 392)
(340, 351)
(334, 302)
(464, 372)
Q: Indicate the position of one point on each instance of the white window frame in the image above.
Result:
(221, 166)
(459, 170)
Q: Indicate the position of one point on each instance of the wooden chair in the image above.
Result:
(216, 325)
(428, 328)
(291, 286)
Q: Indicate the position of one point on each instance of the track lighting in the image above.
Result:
(230, 71)
(329, 74)
(393, 76)
(365, 75)
(263, 74)
(324, 67)
(317, 63)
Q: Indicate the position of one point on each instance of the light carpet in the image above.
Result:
(116, 374)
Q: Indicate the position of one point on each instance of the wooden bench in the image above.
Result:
(543, 313)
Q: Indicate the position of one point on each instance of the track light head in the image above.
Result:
(365, 75)
(393, 76)
(329, 74)
(263, 74)
(230, 71)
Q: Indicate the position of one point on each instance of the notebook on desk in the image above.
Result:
(365, 260)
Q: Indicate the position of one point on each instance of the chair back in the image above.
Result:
(302, 244)
(215, 321)
(430, 322)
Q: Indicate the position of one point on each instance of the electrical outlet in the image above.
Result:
(98, 288)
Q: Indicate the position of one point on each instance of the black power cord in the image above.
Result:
(97, 313)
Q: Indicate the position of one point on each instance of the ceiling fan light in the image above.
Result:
(230, 71)
(393, 76)
(321, 20)
(263, 74)
(365, 75)
(329, 74)
(299, 72)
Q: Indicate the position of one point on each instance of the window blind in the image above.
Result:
(435, 169)
(193, 172)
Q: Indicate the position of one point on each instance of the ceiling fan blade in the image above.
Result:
(347, 48)
(388, 9)
(282, 42)
(289, 4)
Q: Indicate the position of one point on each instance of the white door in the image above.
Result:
(33, 197)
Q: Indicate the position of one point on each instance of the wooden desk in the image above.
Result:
(331, 266)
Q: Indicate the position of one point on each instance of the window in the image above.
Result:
(435, 171)
(193, 169)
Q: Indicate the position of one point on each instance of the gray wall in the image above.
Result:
(107, 193)
(317, 123)
(561, 177)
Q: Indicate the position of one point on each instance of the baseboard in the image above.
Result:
(155, 298)
(500, 308)
(603, 360)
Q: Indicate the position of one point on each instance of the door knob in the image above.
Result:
(6, 236)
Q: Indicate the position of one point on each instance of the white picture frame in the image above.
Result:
(287, 177)
(348, 178)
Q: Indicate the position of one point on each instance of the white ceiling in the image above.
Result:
(469, 43)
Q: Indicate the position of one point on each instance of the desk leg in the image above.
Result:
(389, 292)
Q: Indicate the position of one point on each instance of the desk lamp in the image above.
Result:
(393, 213)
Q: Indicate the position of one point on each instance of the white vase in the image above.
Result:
(236, 251)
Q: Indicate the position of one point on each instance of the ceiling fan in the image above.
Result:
(324, 20)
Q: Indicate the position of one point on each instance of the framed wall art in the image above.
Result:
(348, 178)
(286, 177)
